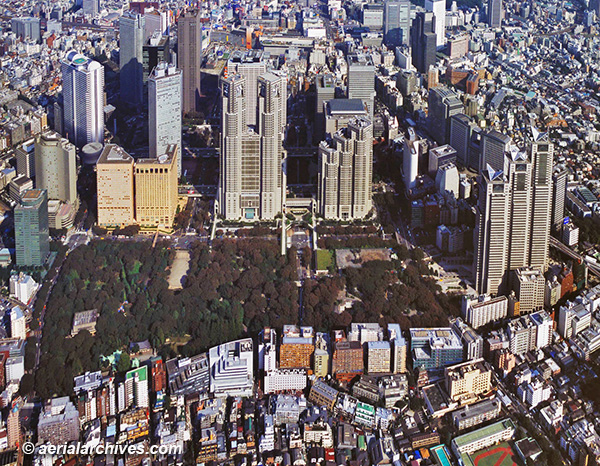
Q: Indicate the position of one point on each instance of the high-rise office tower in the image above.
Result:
(541, 152)
(155, 181)
(513, 217)
(465, 138)
(396, 22)
(56, 167)
(346, 172)
(325, 84)
(494, 146)
(252, 178)
(251, 64)
(443, 103)
(413, 149)
(131, 43)
(114, 175)
(155, 50)
(83, 98)
(438, 8)
(31, 228)
(90, 7)
(423, 41)
(26, 28)
(494, 13)
(189, 54)
(361, 80)
(559, 193)
(272, 118)
(164, 110)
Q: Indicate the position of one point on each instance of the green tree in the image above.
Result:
(124, 362)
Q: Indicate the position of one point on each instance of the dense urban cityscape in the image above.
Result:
(300, 233)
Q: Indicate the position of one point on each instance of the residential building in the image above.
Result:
(322, 394)
(468, 380)
(399, 348)
(529, 286)
(475, 414)
(483, 309)
(297, 347)
(379, 356)
(59, 422)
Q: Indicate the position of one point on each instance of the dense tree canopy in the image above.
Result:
(242, 284)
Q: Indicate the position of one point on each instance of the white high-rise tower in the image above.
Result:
(438, 8)
(164, 110)
(83, 96)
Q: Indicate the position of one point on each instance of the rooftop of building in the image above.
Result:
(113, 153)
(484, 432)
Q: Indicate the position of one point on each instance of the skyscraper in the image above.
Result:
(396, 22)
(142, 192)
(494, 146)
(361, 80)
(346, 172)
(131, 43)
(465, 138)
(272, 118)
(325, 86)
(423, 41)
(251, 64)
(442, 104)
(252, 178)
(56, 168)
(155, 181)
(26, 28)
(164, 110)
(541, 152)
(559, 193)
(114, 175)
(155, 50)
(494, 13)
(438, 8)
(189, 53)
(413, 149)
(513, 216)
(83, 97)
(31, 228)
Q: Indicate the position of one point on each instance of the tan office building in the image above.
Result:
(156, 189)
(114, 173)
